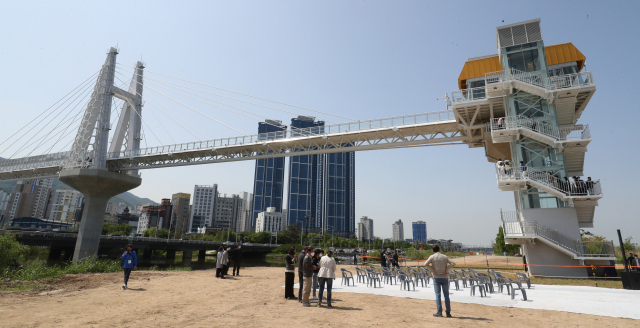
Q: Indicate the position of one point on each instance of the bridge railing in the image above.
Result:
(34, 162)
(359, 126)
(545, 178)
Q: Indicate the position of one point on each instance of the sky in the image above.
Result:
(357, 59)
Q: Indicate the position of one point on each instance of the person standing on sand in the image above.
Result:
(301, 256)
(220, 262)
(130, 259)
(237, 257)
(440, 265)
(325, 276)
(290, 274)
(317, 254)
(225, 270)
(307, 272)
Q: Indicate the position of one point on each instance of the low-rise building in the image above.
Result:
(156, 216)
(270, 221)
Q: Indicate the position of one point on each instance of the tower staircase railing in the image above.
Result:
(549, 84)
(559, 134)
(515, 227)
(550, 182)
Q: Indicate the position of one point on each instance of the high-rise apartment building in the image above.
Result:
(226, 212)
(304, 202)
(419, 231)
(365, 229)
(202, 209)
(243, 223)
(321, 187)
(63, 205)
(268, 186)
(398, 231)
(29, 198)
(180, 202)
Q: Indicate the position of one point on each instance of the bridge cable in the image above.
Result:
(79, 86)
(21, 148)
(171, 118)
(274, 101)
(211, 118)
(215, 105)
(215, 94)
(143, 121)
(82, 85)
(154, 114)
(61, 122)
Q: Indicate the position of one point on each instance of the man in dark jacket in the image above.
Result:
(237, 257)
(301, 256)
(395, 259)
(307, 272)
(383, 259)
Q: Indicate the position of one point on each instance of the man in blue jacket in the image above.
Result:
(130, 260)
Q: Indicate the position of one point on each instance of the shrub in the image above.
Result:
(10, 250)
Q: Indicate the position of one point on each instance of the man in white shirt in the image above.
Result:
(326, 275)
(440, 264)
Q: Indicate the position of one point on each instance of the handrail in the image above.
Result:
(559, 134)
(550, 84)
(316, 131)
(520, 228)
(564, 186)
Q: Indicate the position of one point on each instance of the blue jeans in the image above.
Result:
(127, 272)
(444, 284)
(329, 282)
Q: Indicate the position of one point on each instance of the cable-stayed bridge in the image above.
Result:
(91, 138)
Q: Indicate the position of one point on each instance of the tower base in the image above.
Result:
(97, 186)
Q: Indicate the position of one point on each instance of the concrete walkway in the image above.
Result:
(577, 299)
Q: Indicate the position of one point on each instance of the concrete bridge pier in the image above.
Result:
(97, 186)
(171, 257)
(187, 257)
(201, 255)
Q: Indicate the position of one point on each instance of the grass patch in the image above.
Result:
(38, 269)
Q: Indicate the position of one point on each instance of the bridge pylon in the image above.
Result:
(86, 167)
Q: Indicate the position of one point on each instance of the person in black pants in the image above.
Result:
(290, 274)
(225, 270)
(237, 257)
(383, 259)
(301, 256)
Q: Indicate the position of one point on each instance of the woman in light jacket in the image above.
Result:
(325, 276)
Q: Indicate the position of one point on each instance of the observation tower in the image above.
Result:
(524, 105)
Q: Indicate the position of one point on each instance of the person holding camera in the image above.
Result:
(130, 260)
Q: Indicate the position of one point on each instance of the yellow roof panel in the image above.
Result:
(556, 54)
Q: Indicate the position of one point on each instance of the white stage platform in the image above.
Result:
(609, 302)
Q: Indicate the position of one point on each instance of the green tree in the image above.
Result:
(121, 229)
(501, 246)
(10, 250)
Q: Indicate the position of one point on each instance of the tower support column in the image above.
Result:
(97, 186)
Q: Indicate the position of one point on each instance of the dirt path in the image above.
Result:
(198, 299)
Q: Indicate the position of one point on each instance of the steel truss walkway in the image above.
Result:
(394, 132)
(515, 227)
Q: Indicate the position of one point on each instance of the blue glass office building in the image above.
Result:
(420, 232)
(322, 187)
(268, 185)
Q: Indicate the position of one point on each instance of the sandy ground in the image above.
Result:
(255, 299)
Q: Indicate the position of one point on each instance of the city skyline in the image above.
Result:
(371, 61)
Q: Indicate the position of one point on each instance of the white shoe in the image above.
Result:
(315, 298)
(124, 286)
